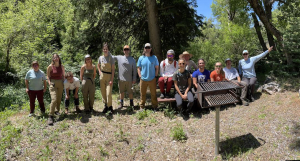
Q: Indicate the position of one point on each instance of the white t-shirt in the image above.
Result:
(168, 69)
(231, 73)
(72, 86)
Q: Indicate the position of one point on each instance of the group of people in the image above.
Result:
(147, 67)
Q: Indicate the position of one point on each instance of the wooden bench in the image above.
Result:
(166, 100)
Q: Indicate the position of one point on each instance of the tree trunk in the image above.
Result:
(7, 54)
(153, 27)
(258, 9)
(258, 32)
(268, 8)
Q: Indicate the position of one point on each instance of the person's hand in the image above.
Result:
(184, 96)
(110, 83)
(165, 78)
(67, 97)
(27, 90)
(76, 95)
(133, 82)
(270, 49)
(44, 90)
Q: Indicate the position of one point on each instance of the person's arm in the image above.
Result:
(98, 66)
(27, 85)
(134, 72)
(81, 72)
(63, 72)
(139, 72)
(260, 56)
(156, 70)
(67, 93)
(45, 86)
(161, 68)
(76, 92)
(49, 69)
(112, 74)
(189, 87)
(95, 73)
(211, 77)
(177, 88)
(195, 82)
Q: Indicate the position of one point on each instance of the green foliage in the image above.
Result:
(169, 112)
(178, 134)
(143, 114)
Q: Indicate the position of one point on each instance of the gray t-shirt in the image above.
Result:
(182, 80)
(231, 73)
(127, 68)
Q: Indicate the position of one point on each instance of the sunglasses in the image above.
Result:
(147, 47)
(171, 56)
(181, 63)
(217, 66)
(35, 65)
(201, 63)
(126, 49)
(245, 54)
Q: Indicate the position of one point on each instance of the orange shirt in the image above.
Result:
(217, 77)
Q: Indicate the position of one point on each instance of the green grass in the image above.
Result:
(178, 134)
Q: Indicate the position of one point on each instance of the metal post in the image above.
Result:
(217, 130)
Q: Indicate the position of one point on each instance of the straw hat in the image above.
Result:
(185, 53)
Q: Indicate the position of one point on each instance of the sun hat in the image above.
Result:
(185, 53)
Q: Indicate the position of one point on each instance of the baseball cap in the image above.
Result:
(35, 62)
(126, 47)
(227, 60)
(87, 56)
(245, 51)
(171, 51)
(148, 45)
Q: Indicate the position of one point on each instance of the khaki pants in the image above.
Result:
(88, 92)
(143, 90)
(125, 86)
(56, 89)
(244, 89)
(106, 89)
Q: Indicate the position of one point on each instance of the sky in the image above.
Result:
(204, 8)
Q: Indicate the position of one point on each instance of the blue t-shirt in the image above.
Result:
(201, 76)
(35, 79)
(147, 65)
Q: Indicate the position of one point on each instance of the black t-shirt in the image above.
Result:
(182, 80)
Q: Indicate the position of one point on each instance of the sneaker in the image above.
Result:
(245, 103)
(162, 96)
(105, 109)
(252, 99)
(50, 120)
(167, 95)
(56, 113)
(120, 106)
(31, 115)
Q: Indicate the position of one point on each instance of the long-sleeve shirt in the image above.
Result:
(168, 69)
(246, 67)
(127, 68)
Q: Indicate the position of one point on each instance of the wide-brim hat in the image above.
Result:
(185, 53)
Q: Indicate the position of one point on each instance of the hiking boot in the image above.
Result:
(120, 106)
(78, 109)
(66, 110)
(110, 109)
(131, 104)
(162, 96)
(50, 120)
(167, 95)
(252, 99)
(105, 109)
(245, 103)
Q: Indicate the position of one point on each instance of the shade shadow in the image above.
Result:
(238, 145)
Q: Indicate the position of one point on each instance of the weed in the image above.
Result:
(169, 112)
(153, 120)
(9, 135)
(262, 116)
(46, 153)
(143, 114)
(103, 152)
(177, 133)
(129, 109)
(121, 136)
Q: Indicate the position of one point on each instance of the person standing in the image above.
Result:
(36, 85)
(148, 70)
(106, 68)
(189, 63)
(87, 76)
(231, 74)
(247, 69)
(201, 75)
(167, 68)
(183, 82)
(71, 83)
(55, 73)
(127, 74)
(218, 74)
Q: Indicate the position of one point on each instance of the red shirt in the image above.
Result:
(217, 77)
